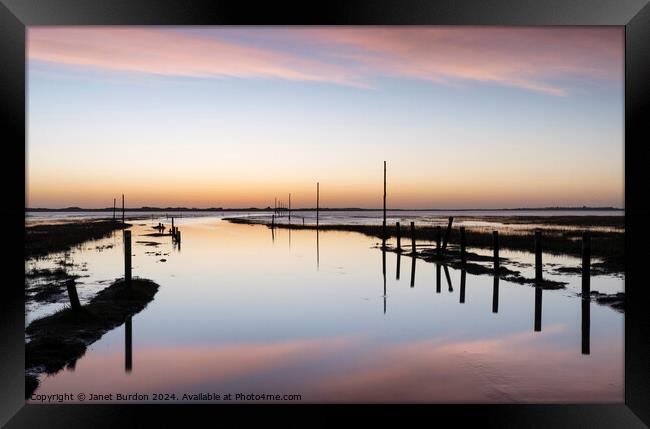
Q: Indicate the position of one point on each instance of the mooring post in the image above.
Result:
(447, 233)
(272, 221)
(495, 247)
(463, 256)
(413, 238)
(586, 265)
(317, 202)
(383, 231)
(289, 207)
(172, 224)
(303, 221)
(122, 208)
(127, 257)
(114, 202)
(72, 295)
(178, 236)
(437, 277)
(399, 237)
(538, 255)
(438, 238)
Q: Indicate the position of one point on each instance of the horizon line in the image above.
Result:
(268, 208)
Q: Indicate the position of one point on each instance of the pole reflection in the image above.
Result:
(451, 289)
(413, 271)
(586, 325)
(462, 286)
(495, 295)
(538, 309)
(128, 352)
(399, 257)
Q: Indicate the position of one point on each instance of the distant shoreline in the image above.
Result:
(303, 209)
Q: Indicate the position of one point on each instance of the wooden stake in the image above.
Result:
(72, 295)
(495, 247)
(447, 233)
(384, 222)
(538, 256)
(399, 237)
(413, 237)
(586, 265)
(463, 256)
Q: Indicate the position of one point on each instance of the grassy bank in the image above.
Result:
(561, 235)
(59, 340)
(43, 239)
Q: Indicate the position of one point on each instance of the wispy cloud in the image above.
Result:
(535, 59)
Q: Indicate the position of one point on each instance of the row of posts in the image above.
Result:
(586, 251)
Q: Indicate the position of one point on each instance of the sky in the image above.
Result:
(465, 117)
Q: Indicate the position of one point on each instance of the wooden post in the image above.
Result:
(127, 258)
(122, 208)
(383, 232)
(317, 201)
(495, 247)
(178, 236)
(538, 256)
(586, 265)
(447, 233)
(413, 238)
(438, 238)
(463, 256)
(289, 207)
(303, 221)
(72, 295)
(173, 225)
(437, 278)
(399, 237)
(114, 202)
(273, 221)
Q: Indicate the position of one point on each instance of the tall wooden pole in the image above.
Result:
(317, 201)
(383, 233)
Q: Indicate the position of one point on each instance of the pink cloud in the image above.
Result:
(535, 59)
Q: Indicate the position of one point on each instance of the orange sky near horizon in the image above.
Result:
(466, 117)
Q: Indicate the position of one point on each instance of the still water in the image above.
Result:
(242, 309)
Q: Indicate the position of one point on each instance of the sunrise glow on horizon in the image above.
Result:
(233, 117)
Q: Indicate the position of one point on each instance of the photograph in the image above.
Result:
(325, 214)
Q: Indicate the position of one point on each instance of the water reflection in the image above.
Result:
(128, 352)
(538, 308)
(383, 271)
(495, 294)
(462, 286)
(586, 325)
(413, 271)
(426, 347)
(451, 289)
(399, 257)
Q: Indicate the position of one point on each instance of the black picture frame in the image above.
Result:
(634, 15)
